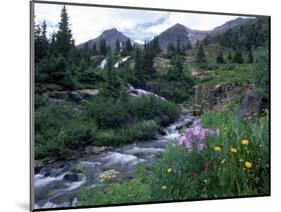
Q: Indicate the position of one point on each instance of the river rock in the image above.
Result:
(252, 105)
(38, 169)
(75, 96)
(96, 149)
(71, 177)
(165, 121)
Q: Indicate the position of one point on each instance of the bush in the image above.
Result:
(78, 134)
(133, 191)
(178, 175)
(150, 107)
(261, 71)
(208, 66)
(106, 113)
(229, 66)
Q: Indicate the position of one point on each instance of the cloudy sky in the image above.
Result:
(89, 22)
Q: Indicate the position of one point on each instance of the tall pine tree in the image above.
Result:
(201, 55)
(64, 41)
(138, 70)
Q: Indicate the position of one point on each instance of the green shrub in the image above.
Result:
(133, 191)
(178, 175)
(230, 66)
(208, 66)
(261, 70)
(150, 107)
(79, 134)
(107, 113)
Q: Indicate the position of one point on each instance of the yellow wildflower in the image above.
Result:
(233, 150)
(260, 145)
(248, 164)
(164, 187)
(241, 160)
(245, 142)
(217, 148)
(169, 170)
(205, 181)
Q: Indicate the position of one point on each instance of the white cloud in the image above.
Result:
(89, 22)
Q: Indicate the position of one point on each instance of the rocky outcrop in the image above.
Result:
(219, 96)
(253, 104)
(75, 96)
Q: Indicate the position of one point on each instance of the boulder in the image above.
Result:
(165, 120)
(71, 177)
(252, 105)
(75, 96)
(96, 149)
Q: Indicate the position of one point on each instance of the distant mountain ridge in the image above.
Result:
(110, 36)
(171, 35)
(228, 25)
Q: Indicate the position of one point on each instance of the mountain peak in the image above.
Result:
(178, 25)
(110, 31)
(110, 36)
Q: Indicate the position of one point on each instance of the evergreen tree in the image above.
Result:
(112, 85)
(229, 57)
(138, 69)
(250, 57)
(148, 68)
(220, 58)
(45, 43)
(155, 46)
(237, 58)
(178, 48)
(201, 55)
(189, 46)
(197, 44)
(103, 49)
(170, 50)
(117, 46)
(94, 49)
(206, 40)
(176, 72)
(64, 42)
(40, 41)
(128, 46)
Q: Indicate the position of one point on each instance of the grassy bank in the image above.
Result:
(236, 163)
(62, 127)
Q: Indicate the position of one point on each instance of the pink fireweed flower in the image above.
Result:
(196, 136)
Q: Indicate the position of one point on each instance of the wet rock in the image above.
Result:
(96, 149)
(163, 132)
(71, 177)
(38, 169)
(165, 121)
(75, 96)
(252, 105)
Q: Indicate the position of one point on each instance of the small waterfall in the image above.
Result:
(140, 92)
(103, 63)
(116, 65)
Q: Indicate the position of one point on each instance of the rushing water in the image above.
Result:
(57, 184)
